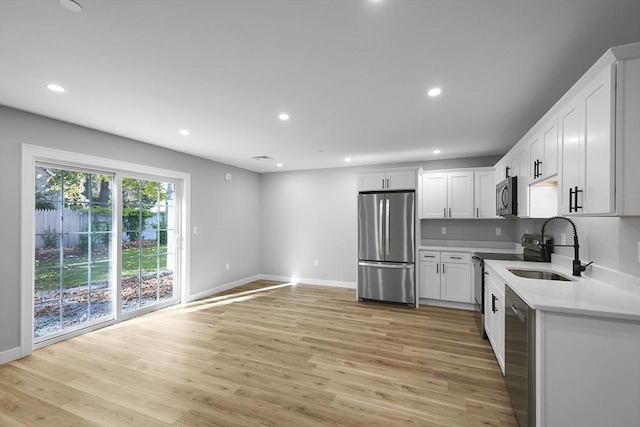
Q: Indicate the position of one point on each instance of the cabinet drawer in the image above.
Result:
(456, 257)
(429, 256)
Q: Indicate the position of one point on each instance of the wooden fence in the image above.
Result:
(71, 224)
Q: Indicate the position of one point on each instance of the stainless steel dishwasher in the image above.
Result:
(520, 360)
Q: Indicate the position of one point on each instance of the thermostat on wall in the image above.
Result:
(227, 177)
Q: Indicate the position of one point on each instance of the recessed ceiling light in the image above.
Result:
(279, 165)
(55, 88)
(434, 91)
(347, 159)
(71, 5)
(436, 151)
(184, 132)
(284, 117)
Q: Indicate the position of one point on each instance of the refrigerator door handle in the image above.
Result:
(381, 227)
(386, 264)
(387, 233)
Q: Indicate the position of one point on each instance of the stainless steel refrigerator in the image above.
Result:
(386, 249)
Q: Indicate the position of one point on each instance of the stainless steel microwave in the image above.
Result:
(507, 197)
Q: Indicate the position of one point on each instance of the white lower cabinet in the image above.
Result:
(445, 276)
(588, 370)
(580, 363)
(494, 314)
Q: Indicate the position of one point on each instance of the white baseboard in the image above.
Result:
(10, 355)
(318, 282)
(224, 287)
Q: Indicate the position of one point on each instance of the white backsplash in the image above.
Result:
(622, 281)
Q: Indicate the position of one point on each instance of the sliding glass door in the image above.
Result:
(73, 253)
(99, 257)
(148, 236)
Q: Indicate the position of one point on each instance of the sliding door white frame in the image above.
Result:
(31, 154)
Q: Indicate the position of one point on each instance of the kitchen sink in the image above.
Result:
(539, 274)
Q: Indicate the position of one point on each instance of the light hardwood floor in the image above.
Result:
(261, 355)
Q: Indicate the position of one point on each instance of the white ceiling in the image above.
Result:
(352, 74)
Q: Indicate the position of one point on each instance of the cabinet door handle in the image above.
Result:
(477, 212)
(455, 257)
(493, 303)
(573, 194)
(387, 183)
(442, 268)
(445, 212)
(449, 212)
(539, 172)
(429, 256)
(383, 183)
(437, 268)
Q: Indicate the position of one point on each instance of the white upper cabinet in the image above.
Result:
(508, 166)
(549, 166)
(447, 195)
(434, 195)
(536, 154)
(389, 180)
(401, 180)
(485, 194)
(460, 195)
(587, 141)
(523, 182)
(543, 152)
(371, 181)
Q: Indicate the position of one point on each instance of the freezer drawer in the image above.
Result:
(386, 281)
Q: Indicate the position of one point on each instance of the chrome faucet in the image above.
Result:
(577, 264)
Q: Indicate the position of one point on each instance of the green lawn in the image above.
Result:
(76, 270)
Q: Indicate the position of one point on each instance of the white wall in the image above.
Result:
(608, 242)
(309, 215)
(227, 215)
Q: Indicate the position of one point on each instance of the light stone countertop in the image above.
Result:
(469, 249)
(583, 295)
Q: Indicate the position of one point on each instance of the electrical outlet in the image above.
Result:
(315, 263)
(444, 230)
(498, 231)
(227, 266)
(563, 238)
